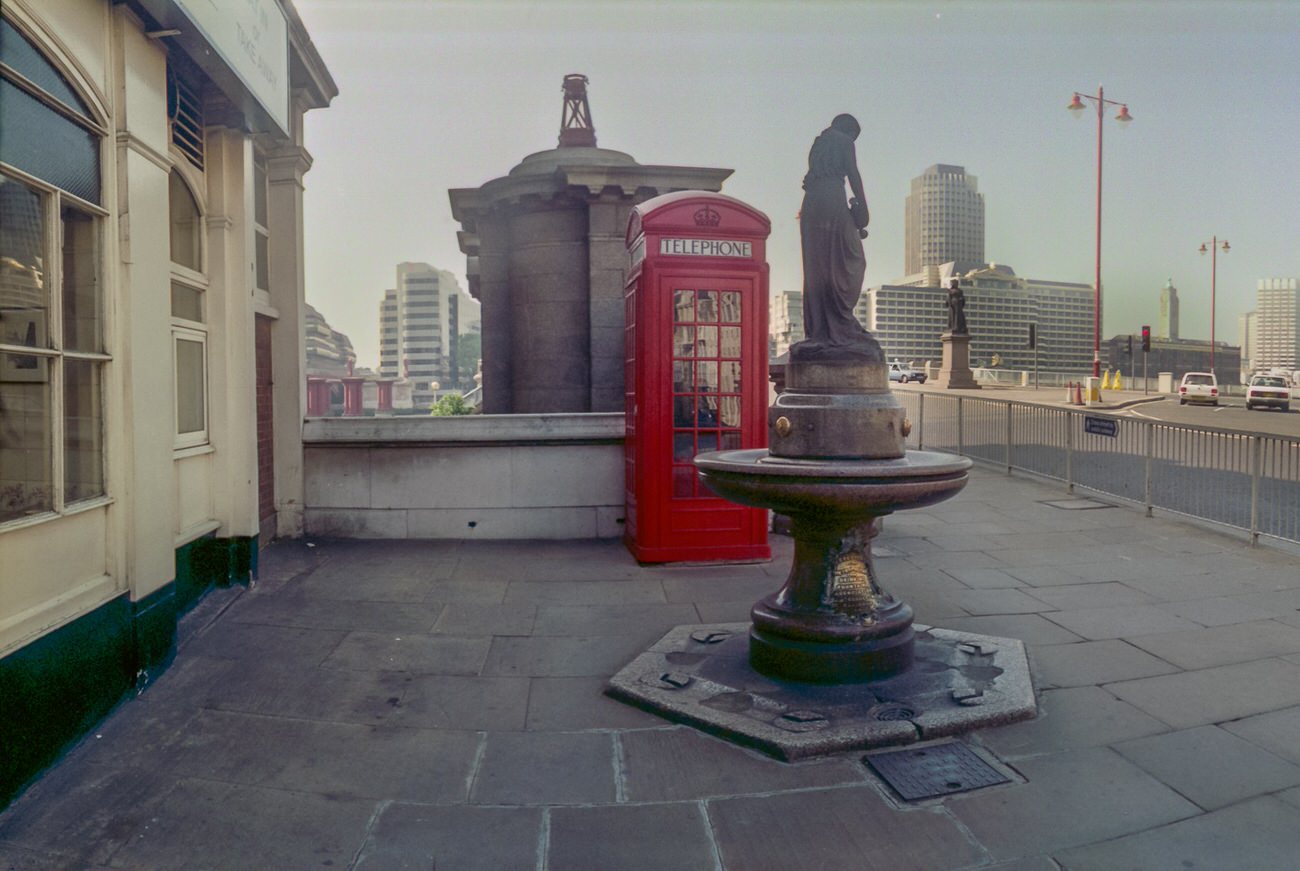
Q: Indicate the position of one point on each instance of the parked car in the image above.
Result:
(903, 374)
(1199, 387)
(1271, 391)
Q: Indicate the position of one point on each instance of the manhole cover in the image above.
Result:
(929, 772)
(1077, 504)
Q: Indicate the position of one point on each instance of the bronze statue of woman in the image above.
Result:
(834, 266)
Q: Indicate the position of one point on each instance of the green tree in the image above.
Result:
(452, 403)
(469, 348)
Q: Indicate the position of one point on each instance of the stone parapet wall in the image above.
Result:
(521, 476)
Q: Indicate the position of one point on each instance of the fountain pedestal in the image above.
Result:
(832, 659)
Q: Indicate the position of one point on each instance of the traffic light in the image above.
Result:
(1033, 336)
(1130, 345)
(1146, 338)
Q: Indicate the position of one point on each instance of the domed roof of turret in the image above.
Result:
(546, 162)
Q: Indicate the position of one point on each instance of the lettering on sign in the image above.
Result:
(1103, 426)
(706, 247)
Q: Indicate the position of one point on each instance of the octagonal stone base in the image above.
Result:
(700, 675)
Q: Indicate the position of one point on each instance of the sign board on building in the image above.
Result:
(1103, 426)
(252, 37)
(706, 248)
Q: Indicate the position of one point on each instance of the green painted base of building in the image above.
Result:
(55, 689)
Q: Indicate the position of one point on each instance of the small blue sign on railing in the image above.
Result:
(1105, 426)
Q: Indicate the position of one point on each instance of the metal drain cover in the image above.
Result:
(935, 770)
(1077, 504)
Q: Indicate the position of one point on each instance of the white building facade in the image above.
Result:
(420, 325)
(786, 321)
(907, 318)
(944, 220)
(1277, 324)
(151, 334)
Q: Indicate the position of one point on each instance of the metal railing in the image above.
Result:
(1244, 480)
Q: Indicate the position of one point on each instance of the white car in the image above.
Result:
(1199, 387)
(1271, 391)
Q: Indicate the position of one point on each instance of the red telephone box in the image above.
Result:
(696, 372)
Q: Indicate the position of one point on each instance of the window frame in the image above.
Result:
(187, 329)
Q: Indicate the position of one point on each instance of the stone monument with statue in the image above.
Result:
(955, 373)
(832, 660)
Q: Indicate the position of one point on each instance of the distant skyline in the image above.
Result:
(437, 95)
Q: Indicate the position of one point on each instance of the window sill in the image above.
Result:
(50, 516)
(195, 451)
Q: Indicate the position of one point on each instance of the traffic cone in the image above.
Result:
(1105, 380)
(1069, 392)
(1118, 383)
(1078, 393)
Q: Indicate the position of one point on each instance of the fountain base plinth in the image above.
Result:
(843, 662)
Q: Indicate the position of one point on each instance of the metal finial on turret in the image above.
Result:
(576, 129)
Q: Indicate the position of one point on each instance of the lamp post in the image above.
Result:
(1076, 106)
(1214, 249)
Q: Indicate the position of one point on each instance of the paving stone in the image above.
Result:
(599, 656)
(81, 812)
(459, 702)
(464, 618)
(584, 593)
(1032, 863)
(482, 590)
(1212, 767)
(1279, 603)
(260, 643)
(725, 612)
(1291, 797)
(572, 704)
(1069, 719)
(15, 858)
(941, 560)
(1070, 798)
(1070, 597)
(1092, 662)
(202, 825)
(315, 694)
(1029, 628)
(409, 652)
(675, 764)
(1217, 611)
(1259, 835)
(1222, 645)
(415, 765)
(631, 838)
(727, 589)
(985, 579)
(1125, 621)
(1046, 575)
(1213, 695)
(835, 830)
(1277, 731)
(546, 768)
(1173, 585)
(358, 585)
(643, 621)
(464, 838)
(312, 613)
(981, 602)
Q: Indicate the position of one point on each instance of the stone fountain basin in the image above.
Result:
(833, 486)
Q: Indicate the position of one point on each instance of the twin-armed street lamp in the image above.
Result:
(1214, 248)
(1076, 106)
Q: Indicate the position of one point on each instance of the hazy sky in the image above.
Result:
(438, 95)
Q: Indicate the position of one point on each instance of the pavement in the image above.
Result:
(1110, 399)
(394, 704)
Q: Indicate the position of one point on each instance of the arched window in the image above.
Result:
(189, 319)
(52, 344)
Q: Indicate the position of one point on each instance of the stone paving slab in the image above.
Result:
(632, 838)
(1156, 747)
(467, 838)
(834, 830)
(1227, 768)
(1259, 835)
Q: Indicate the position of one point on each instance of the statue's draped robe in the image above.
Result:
(833, 263)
